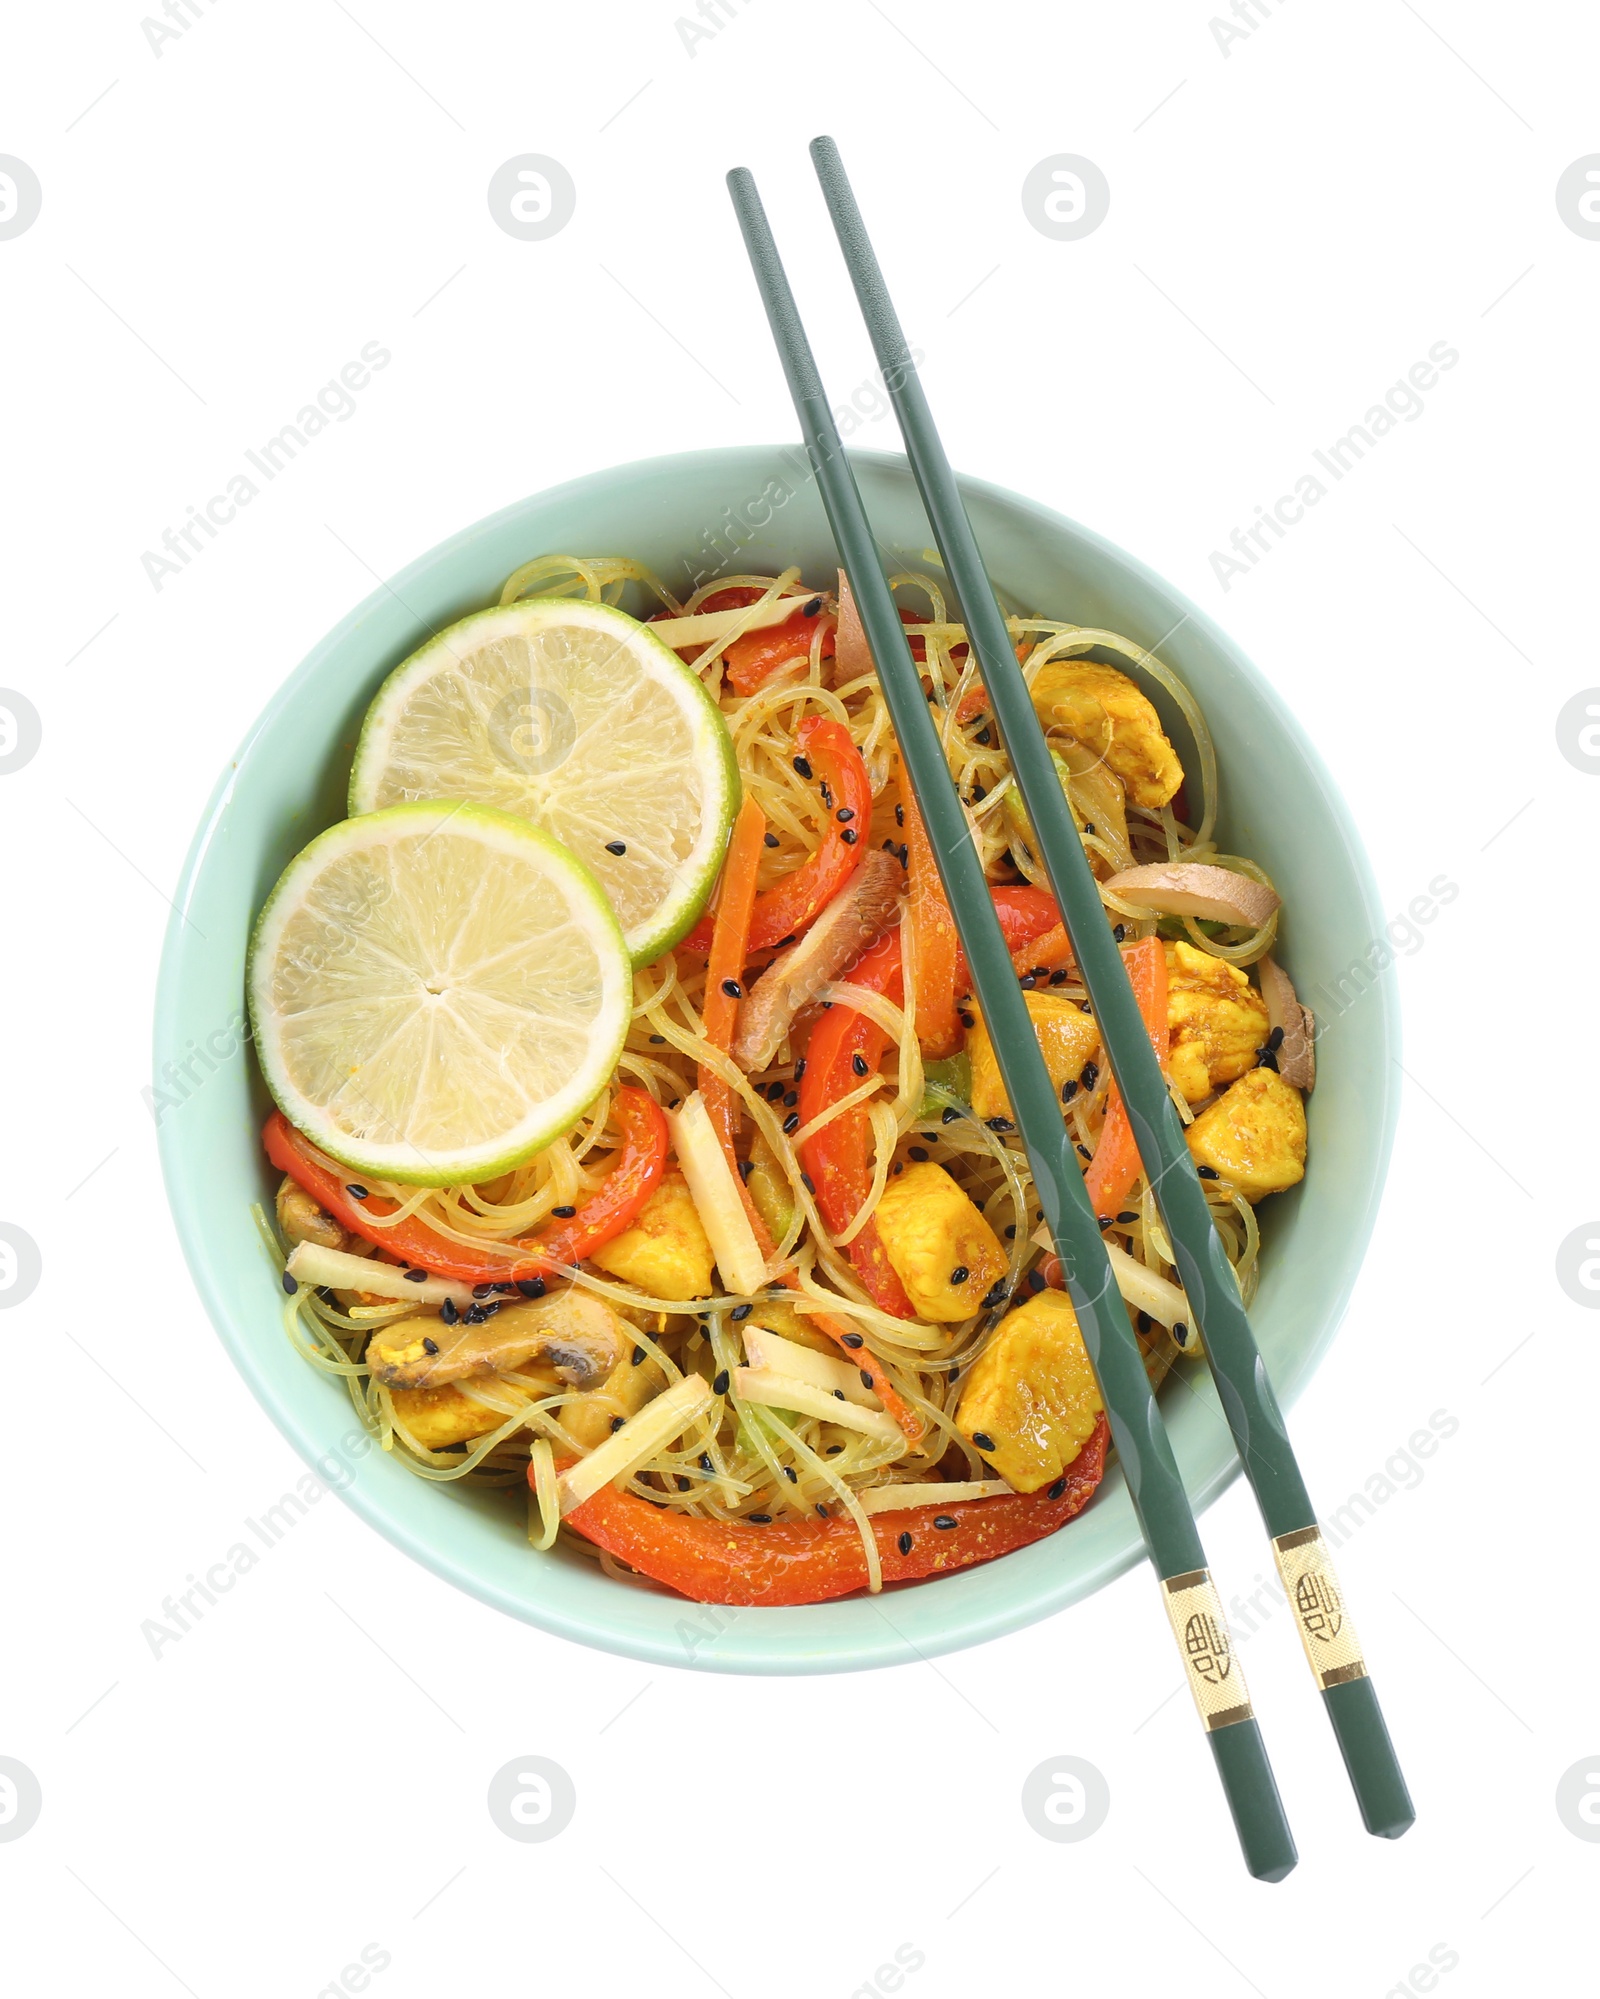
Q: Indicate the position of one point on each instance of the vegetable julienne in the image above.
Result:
(772, 1322)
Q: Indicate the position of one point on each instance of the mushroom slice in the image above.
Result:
(1195, 888)
(852, 656)
(856, 915)
(577, 1335)
(1297, 1054)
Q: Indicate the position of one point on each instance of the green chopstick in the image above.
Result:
(1303, 1561)
(1193, 1605)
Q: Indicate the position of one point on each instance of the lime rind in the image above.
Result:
(436, 1024)
(564, 711)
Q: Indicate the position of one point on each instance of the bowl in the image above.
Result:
(704, 513)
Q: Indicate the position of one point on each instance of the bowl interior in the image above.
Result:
(694, 516)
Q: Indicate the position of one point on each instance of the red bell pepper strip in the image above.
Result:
(938, 946)
(1025, 913)
(754, 657)
(809, 1561)
(838, 1158)
(607, 1212)
(1116, 1166)
(790, 905)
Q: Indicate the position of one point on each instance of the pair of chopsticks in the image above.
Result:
(1191, 1599)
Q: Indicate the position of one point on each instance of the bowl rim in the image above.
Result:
(975, 1624)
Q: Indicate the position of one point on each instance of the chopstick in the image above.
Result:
(1304, 1565)
(1193, 1605)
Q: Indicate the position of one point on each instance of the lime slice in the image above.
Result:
(436, 991)
(577, 717)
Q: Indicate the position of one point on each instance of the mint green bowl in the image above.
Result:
(288, 782)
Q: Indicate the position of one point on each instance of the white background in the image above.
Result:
(1293, 223)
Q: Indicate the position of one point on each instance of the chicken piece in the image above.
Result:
(666, 1251)
(1254, 1135)
(1217, 1019)
(577, 1335)
(1104, 710)
(437, 1417)
(301, 1220)
(792, 981)
(592, 1417)
(1067, 1035)
(1031, 1400)
(943, 1251)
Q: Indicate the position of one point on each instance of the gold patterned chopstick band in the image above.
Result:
(1306, 1571)
(1215, 1678)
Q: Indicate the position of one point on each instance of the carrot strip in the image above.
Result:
(1116, 1164)
(730, 943)
(938, 946)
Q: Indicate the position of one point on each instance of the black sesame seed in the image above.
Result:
(826, 794)
(416, 1277)
(1057, 1489)
(792, 1121)
(849, 836)
(1128, 1215)
(959, 1274)
(1086, 1152)
(993, 1296)
(985, 738)
(1103, 1221)
(899, 1166)
(1089, 1075)
(1207, 1172)
(1119, 931)
(1180, 1332)
(773, 1093)
(1088, 825)
(808, 1183)
(801, 767)
(1069, 1089)
(616, 846)
(770, 839)
(810, 610)
(1142, 1321)
(705, 1461)
(919, 1153)
(866, 1376)
(637, 1356)
(531, 1287)
(741, 1312)
(791, 1474)
(822, 1510)
(658, 1040)
(683, 1483)
(759, 1519)
(733, 988)
(983, 1440)
(720, 1385)
(833, 1450)
(566, 1213)
(1036, 1280)
(967, 1019)
(904, 1544)
(800, 1068)
(979, 791)
(945, 1520)
(851, 1340)
(617, 1423)
(1275, 1039)
(448, 1312)
(1011, 1231)
(1000, 1124)
(860, 1064)
(845, 814)
(430, 1346)
(482, 1290)
(290, 1284)
(746, 1168)
(1058, 978)
(356, 1193)
(1265, 1059)
(791, 1097)
(949, 1114)
(840, 1396)
(1027, 982)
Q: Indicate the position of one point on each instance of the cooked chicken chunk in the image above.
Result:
(1031, 1400)
(943, 1251)
(577, 1335)
(1103, 709)
(437, 1417)
(1254, 1135)
(1067, 1035)
(665, 1252)
(1217, 1018)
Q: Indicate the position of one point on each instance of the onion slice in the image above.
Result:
(1195, 888)
(716, 1197)
(639, 1439)
(1297, 1055)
